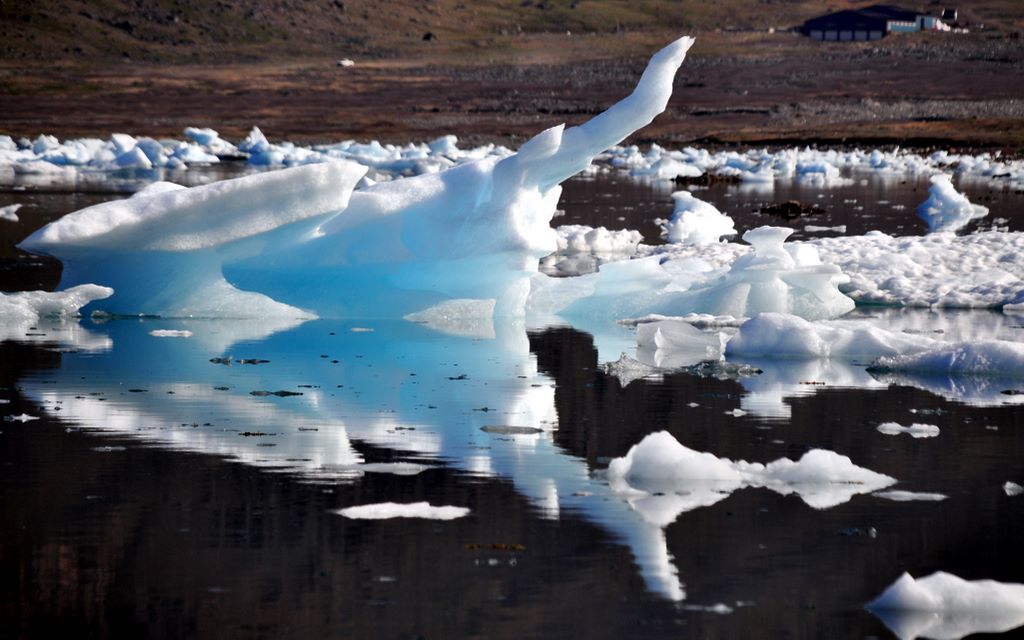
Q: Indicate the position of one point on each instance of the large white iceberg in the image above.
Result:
(299, 241)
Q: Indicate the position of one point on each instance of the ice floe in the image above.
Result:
(388, 510)
(916, 430)
(943, 605)
(695, 221)
(23, 417)
(670, 478)
(910, 496)
(171, 333)
(29, 306)
(9, 213)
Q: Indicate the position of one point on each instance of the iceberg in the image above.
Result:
(301, 242)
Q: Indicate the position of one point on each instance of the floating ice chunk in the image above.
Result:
(627, 369)
(813, 228)
(820, 172)
(255, 142)
(134, 158)
(577, 238)
(670, 344)
(910, 496)
(915, 430)
(205, 137)
(394, 468)
(211, 141)
(162, 249)
(445, 145)
(699, 320)
(171, 333)
(943, 605)
(787, 336)
(947, 210)
(695, 221)
(44, 143)
(387, 510)
(666, 168)
(468, 318)
(822, 478)
(775, 279)
(660, 461)
(192, 154)
(659, 464)
(24, 417)
(26, 307)
(994, 358)
(721, 608)
(8, 213)
(1012, 489)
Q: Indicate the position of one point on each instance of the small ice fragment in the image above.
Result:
(909, 496)
(170, 333)
(721, 608)
(510, 430)
(915, 430)
(8, 213)
(1013, 489)
(394, 468)
(386, 510)
(627, 369)
(20, 418)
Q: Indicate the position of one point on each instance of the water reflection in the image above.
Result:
(428, 397)
(306, 398)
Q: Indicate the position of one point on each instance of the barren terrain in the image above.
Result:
(512, 70)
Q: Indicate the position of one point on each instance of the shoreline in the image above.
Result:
(734, 89)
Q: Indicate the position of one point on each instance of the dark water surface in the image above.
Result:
(157, 496)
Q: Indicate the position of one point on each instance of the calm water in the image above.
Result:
(158, 496)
